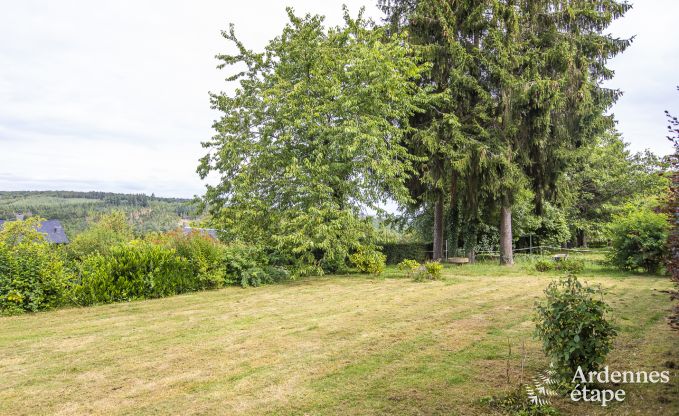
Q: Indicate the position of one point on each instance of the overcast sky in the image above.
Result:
(113, 95)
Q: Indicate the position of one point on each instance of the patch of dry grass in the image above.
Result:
(334, 345)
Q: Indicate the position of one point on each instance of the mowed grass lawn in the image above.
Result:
(347, 345)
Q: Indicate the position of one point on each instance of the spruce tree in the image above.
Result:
(519, 87)
(450, 135)
(549, 61)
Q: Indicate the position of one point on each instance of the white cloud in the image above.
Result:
(647, 73)
(113, 95)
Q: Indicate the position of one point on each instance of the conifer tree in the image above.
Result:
(451, 133)
(528, 93)
(549, 59)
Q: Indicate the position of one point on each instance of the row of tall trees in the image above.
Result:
(519, 90)
(454, 108)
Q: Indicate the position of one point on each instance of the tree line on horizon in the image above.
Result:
(76, 210)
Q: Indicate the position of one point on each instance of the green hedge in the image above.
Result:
(397, 252)
(134, 271)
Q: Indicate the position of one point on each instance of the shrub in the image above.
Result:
(409, 266)
(248, 265)
(334, 265)
(203, 253)
(32, 276)
(430, 270)
(571, 266)
(544, 265)
(434, 269)
(369, 261)
(137, 270)
(639, 241)
(397, 252)
(256, 276)
(109, 231)
(573, 327)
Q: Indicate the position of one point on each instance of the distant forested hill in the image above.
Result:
(146, 213)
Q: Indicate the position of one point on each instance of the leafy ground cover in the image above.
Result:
(332, 345)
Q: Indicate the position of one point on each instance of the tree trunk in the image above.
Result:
(506, 254)
(582, 239)
(453, 218)
(470, 238)
(438, 228)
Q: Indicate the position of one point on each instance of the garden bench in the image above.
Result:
(560, 257)
(458, 260)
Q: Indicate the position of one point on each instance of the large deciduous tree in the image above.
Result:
(605, 177)
(312, 135)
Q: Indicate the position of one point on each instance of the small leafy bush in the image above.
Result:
(573, 326)
(430, 270)
(544, 266)
(369, 261)
(248, 265)
(639, 241)
(409, 266)
(32, 275)
(572, 266)
(434, 269)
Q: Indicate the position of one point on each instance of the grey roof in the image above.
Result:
(54, 232)
(206, 231)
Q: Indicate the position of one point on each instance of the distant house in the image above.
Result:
(52, 229)
(211, 232)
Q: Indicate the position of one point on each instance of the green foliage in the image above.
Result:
(312, 134)
(639, 240)
(540, 98)
(368, 260)
(434, 269)
(146, 213)
(167, 264)
(517, 403)
(110, 230)
(570, 266)
(606, 177)
(32, 276)
(203, 253)
(430, 270)
(542, 265)
(397, 252)
(136, 270)
(409, 266)
(573, 327)
(549, 228)
(248, 265)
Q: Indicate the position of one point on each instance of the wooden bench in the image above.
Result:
(560, 257)
(458, 260)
